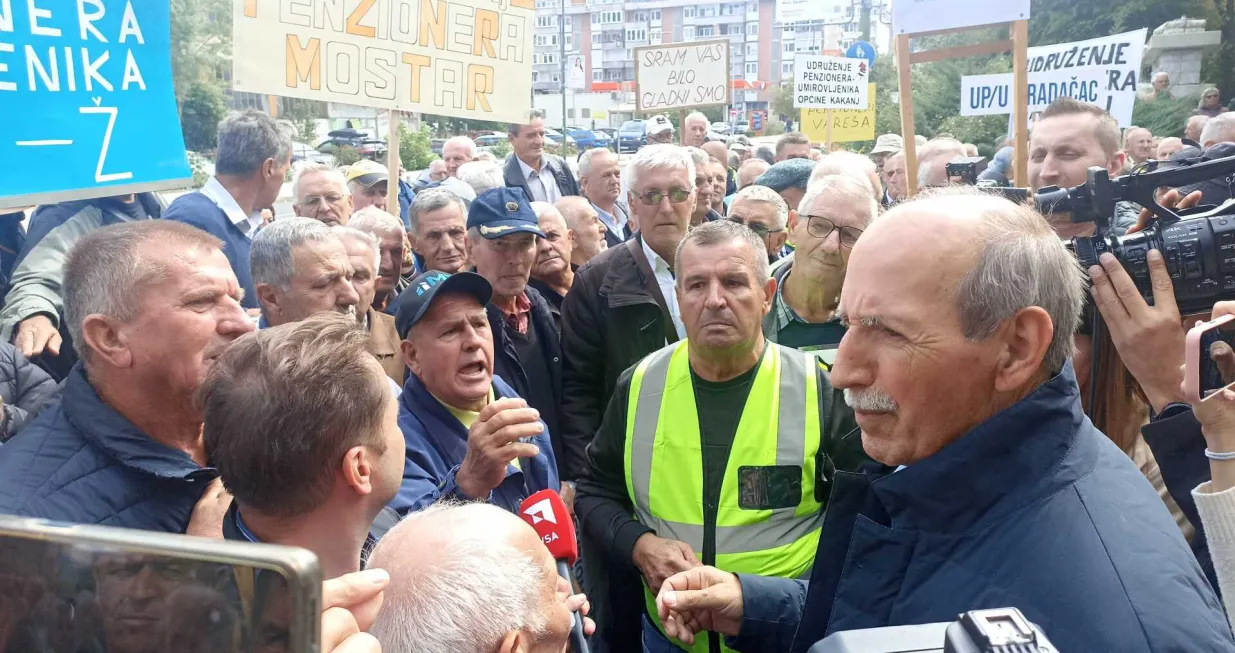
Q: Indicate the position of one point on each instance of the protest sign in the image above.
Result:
(791, 11)
(460, 58)
(986, 95)
(86, 101)
(829, 82)
(847, 126)
(682, 76)
(1114, 62)
(917, 16)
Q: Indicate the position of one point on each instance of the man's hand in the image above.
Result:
(576, 603)
(36, 334)
(659, 558)
(493, 442)
(567, 493)
(207, 518)
(350, 604)
(703, 598)
(1170, 199)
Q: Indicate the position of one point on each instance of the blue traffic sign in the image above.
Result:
(87, 102)
(862, 50)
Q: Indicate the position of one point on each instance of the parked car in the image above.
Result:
(632, 135)
(722, 128)
(608, 131)
(341, 138)
(305, 152)
(554, 136)
(372, 148)
(489, 140)
(603, 140)
(436, 145)
(587, 139)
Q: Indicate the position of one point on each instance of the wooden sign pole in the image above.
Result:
(682, 126)
(903, 64)
(392, 163)
(1020, 103)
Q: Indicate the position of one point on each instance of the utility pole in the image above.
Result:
(864, 23)
(562, 43)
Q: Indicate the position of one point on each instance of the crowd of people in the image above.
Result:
(780, 396)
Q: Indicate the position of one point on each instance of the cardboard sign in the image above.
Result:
(917, 16)
(791, 11)
(682, 76)
(830, 82)
(86, 101)
(1100, 71)
(847, 126)
(459, 58)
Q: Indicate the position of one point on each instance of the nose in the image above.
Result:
(346, 295)
(831, 243)
(715, 298)
(851, 369)
(233, 321)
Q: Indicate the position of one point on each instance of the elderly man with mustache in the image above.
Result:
(300, 267)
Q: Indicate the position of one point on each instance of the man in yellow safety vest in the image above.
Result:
(719, 449)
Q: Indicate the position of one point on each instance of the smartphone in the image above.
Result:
(66, 587)
(1209, 358)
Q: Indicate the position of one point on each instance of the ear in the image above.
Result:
(296, 210)
(106, 340)
(793, 219)
(351, 203)
(1116, 165)
(409, 355)
(357, 468)
(769, 293)
(268, 167)
(570, 234)
(1026, 337)
(777, 240)
(467, 247)
(268, 297)
(514, 641)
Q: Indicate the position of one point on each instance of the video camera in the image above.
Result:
(977, 631)
(1198, 244)
(966, 169)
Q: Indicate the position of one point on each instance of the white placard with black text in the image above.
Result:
(830, 82)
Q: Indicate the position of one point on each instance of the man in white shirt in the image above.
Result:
(600, 178)
(542, 177)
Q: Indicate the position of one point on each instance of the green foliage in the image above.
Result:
(1061, 21)
(415, 147)
(445, 126)
(501, 150)
(1163, 117)
(773, 127)
(200, 113)
(782, 100)
(346, 156)
(201, 42)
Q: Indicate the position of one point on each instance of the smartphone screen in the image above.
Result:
(1217, 358)
(60, 597)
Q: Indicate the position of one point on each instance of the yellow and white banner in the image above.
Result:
(459, 58)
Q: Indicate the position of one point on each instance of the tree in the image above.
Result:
(1163, 117)
(200, 113)
(201, 42)
(1062, 21)
(415, 147)
(782, 100)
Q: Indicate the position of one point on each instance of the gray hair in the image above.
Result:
(840, 189)
(270, 259)
(1023, 263)
(368, 239)
(475, 588)
(849, 164)
(585, 161)
(1219, 129)
(461, 140)
(431, 200)
(513, 128)
(696, 115)
(481, 175)
(312, 167)
(765, 194)
(105, 271)
(660, 156)
(247, 140)
(720, 232)
(375, 221)
(545, 208)
(699, 157)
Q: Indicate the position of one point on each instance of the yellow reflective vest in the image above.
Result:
(768, 518)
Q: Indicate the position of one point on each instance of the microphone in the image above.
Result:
(545, 512)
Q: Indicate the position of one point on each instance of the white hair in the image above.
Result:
(699, 156)
(481, 175)
(375, 221)
(367, 238)
(839, 189)
(663, 156)
(542, 209)
(1219, 129)
(696, 115)
(271, 259)
(756, 193)
(433, 199)
(585, 161)
(461, 140)
(311, 167)
(849, 164)
(940, 149)
(475, 588)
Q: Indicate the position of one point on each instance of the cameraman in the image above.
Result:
(1066, 141)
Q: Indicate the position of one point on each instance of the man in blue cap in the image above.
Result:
(789, 179)
(501, 243)
(468, 434)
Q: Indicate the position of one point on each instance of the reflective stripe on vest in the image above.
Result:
(664, 461)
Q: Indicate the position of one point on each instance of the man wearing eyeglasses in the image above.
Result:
(832, 215)
(320, 193)
(765, 213)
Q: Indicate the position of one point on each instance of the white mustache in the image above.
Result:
(870, 400)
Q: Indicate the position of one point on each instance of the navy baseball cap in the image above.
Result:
(416, 300)
(502, 211)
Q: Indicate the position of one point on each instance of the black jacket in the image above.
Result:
(25, 389)
(566, 183)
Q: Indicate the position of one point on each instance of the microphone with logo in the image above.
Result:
(545, 512)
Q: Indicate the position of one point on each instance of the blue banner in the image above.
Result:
(87, 107)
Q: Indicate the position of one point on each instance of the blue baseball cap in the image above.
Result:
(416, 300)
(501, 212)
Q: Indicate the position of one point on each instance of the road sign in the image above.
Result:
(862, 50)
(88, 106)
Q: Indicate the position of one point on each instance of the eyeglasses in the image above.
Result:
(760, 230)
(315, 200)
(821, 227)
(653, 198)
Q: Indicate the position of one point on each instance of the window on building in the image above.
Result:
(585, 112)
(752, 6)
(570, 113)
(752, 28)
(595, 19)
(654, 36)
(786, 69)
(598, 75)
(535, 76)
(752, 49)
(688, 32)
(708, 11)
(636, 35)
(610, 17)
(595, 38)
(570, 40)
(705, 30)
(751, 69)
(641, 16)
(690, 12)
(788, 46)
(655, 14)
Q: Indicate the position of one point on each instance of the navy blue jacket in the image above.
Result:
(80, 461)
(436, 443)
(1033, 509)
(201, 212)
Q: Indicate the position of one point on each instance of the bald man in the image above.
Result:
(587, 232)
(750, 171)
(1138, 145)
(489, 568)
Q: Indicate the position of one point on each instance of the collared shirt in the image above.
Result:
(518, 320)
(248, 224)
(615, 222)
(542, 184)
(664, 279)
(784, 326)
(468, 417)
